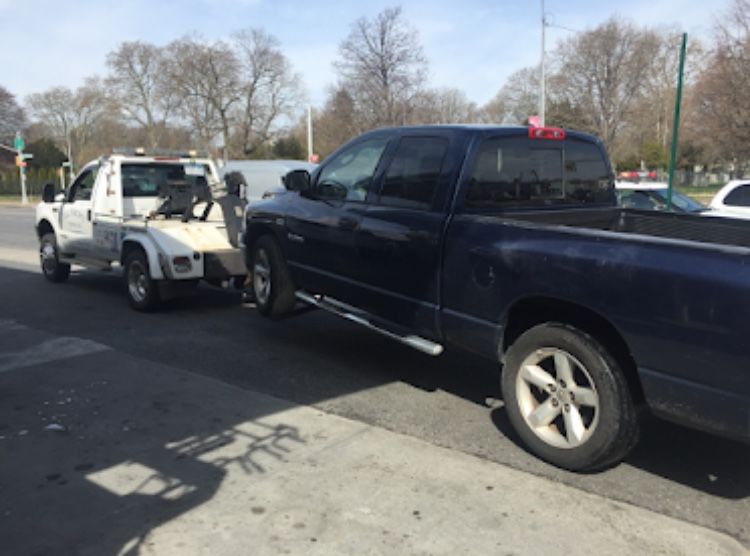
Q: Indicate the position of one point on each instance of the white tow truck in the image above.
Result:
(166, 219)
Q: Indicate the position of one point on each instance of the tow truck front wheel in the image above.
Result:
(272, 285)
(142, 290)
(49, 258)
(567, 398)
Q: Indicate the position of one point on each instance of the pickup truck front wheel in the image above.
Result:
(272, 285)
(49, 258)
(142, 290)
(567, 398)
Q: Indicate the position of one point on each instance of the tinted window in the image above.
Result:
(349, 174)
(412, 176)
(84, 185)
(516, 171)
(739, 197)
(153, 180)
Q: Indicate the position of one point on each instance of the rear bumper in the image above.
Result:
(223, 264)
(697, 406)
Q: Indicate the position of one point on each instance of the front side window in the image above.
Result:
(348, 176)
(739, 197)
(84, 185)
(520, 172)
(412, 177)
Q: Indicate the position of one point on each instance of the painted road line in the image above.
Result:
(55, 349)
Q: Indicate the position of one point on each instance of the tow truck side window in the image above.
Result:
(83, 186)
(152, 180)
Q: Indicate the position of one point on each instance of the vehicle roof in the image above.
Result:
(267, 165)
(138, 159)
(644, 185)
(477, 128)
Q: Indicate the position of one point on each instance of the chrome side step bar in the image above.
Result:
(360, 317)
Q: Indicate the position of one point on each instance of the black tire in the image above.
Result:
(597, 426)
(272, 284)
(141, 289)
(49, 258)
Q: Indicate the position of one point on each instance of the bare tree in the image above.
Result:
(516, 100)
(382, 67)
(602, 73)
(138, 83)
(720, 100)
(12, 118)
(205, 78)
(444, 106)
(70, 116)
(269, 88)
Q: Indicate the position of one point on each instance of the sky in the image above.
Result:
(473, 45)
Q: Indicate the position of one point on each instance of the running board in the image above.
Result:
(360, 317)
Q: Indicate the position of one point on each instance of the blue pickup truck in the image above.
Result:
(507, 241)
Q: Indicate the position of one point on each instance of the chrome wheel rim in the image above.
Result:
(137, 282)
(262, 277)
(48, 258)
(557, 398)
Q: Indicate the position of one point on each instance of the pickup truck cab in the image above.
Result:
(153, 215)
(507, 241)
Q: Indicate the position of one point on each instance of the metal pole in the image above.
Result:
(542, 83)
(676, 123)
(309, 134)
(22, 173)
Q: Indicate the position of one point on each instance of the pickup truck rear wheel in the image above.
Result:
(567, 398)
(49, 257)
(142, 290)
(272, 285)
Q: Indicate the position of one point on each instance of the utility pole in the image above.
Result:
(542, 79)
(310, 149)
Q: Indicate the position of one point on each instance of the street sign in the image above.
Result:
(27, 156)
(19, 143)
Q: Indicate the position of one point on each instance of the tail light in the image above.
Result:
(182, 264)
(553, 133)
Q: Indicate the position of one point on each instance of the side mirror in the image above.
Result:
(297, 180)
(49, 193)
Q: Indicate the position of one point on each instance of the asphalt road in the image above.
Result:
(322, 361)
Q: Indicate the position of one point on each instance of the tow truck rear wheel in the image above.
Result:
(567, 398)
(142, 290)
(272, 285)
(49, 257)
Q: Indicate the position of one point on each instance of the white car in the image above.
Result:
(653, 196)
(156, 216)
(732, 200)
(263, 177)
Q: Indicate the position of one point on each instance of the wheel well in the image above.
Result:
(128, 247)
(252, 235)
(43, 228)
(530, 312)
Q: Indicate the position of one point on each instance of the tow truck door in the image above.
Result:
(76, 237)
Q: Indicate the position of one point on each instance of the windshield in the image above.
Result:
(155, 179)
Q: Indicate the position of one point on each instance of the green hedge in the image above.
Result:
(10, 181)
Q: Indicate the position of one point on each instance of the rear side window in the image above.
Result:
(519, 172)
(156, 179)
(412, 176)
(739, 197)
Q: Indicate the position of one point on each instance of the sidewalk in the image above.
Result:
(141, 458)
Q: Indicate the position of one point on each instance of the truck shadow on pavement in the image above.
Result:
(316, 360)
